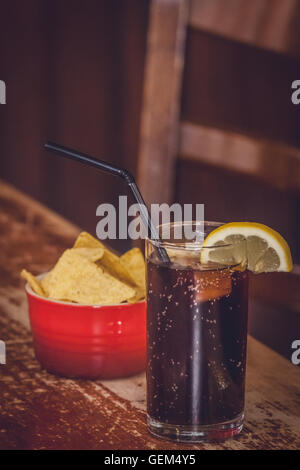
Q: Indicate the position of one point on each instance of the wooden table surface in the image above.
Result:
(41, 411)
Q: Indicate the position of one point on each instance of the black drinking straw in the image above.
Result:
(123, 173)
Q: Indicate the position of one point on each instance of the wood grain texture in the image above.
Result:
(275, 309)
(231, 196)
(269, 24)
(276, 164)
(240, 88)
(41, 411)
(74, 75)
(161, 98)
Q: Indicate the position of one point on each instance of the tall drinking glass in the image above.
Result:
(196, 337)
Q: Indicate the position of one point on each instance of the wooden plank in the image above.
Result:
(32, 237)
(275, 309)
(41, 411)
(82, 78)
(230, 196)
(270, 161)
(280, 289)
(163, 72)
(240, 88)
(269, 24)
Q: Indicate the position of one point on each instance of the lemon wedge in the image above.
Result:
(258, 246)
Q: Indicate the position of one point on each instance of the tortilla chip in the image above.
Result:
(139, 295)
(92, 254)
(77, 279)
(135, 263)
(110, 261)
(33, 282)
(85, 240)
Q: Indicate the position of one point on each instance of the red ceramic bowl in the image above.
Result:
(88, 341)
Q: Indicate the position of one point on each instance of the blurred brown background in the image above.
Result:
(194, 97)
(74, 74)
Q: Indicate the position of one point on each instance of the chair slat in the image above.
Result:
(273, 162)
(162, 87)
(269, 24)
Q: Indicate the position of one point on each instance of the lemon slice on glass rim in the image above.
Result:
(253, 245)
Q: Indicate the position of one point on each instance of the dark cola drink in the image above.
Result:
(197, 339)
